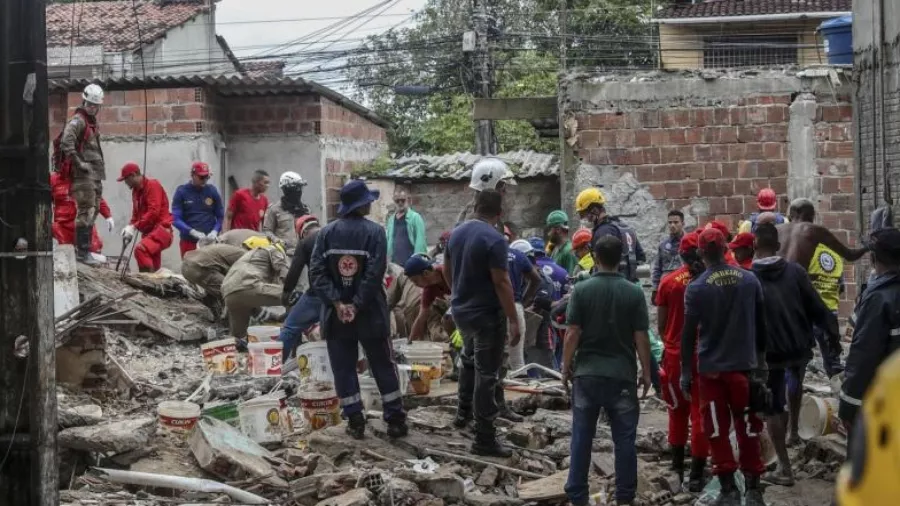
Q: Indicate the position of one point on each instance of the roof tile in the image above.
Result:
(111, 24)
(524, 164)
(714, 8)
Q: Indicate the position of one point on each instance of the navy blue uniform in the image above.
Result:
(199, 209)
(632, 252)
(348, 265)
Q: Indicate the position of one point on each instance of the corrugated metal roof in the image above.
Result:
(716, 8)
(457, 166)
(230, 85)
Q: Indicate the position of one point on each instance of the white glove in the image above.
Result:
(196, 234)
(111, 224)
(212, 236)
(128, 233)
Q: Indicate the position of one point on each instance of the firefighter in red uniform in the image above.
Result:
(64, 211)
(150, 216)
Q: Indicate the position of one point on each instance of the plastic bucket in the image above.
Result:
(838, 36)
(321, 407)
(226, 412)
(767, 449)
(220, 356)
(261, 419)
(425, 354)
(265, 358)
(817, 417)
(178, 417)
(371, 396)
(263, 333)
(313, 362)
(403, 371)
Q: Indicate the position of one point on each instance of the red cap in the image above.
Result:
(304, 222)
(689, 242)
(718, 225)
(200, 168)
(766, 200)
(711, 237)
(130, 168)
(742, 240)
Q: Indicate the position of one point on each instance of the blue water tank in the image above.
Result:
(838, 35)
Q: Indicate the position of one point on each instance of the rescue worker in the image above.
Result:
(429, 276)
(254, 281)
(591, 207)
(247, 206)
(305, 311)
(80, 145)
(437, 253)
(792, 307)
(667, 257)
(725, 304)
(560, 247)
(197, 210)
(65, 210)
(150, 216)
(347, 273)
(742, 249)
(543, 348)
(281, 216)
(206, 267)
(558, 276)
(239, 236)
(723, 228)
(483, 304)
(404, 300)
(405, 231)
(489, 173)
(877, 332)
(670, 323)
(822, 254)
(581, 246)
(766, 202)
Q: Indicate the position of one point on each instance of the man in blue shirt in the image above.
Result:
(558, 275)
(525, 282)
(197, 210)
(483, 304)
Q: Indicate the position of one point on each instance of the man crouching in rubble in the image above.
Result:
(608, 321)
(347, 272)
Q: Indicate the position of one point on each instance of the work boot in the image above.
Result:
(754, 495)
(463, 417)
(695, 479)
(83, 246)
(490, 448)
(505, 413)
(356, 425)
(729, 495)
(678, 462)
(397, 428)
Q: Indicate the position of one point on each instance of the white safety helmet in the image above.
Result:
(488, 172)
(522, 246)
(290, 179)
(93, 94)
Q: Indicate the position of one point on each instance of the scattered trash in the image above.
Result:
(313, 362)
(817, 417)
(224, 411)
(265, 358)
(178, 417)
(424, 466)
(321, 406)
(177, 482)
(263, 333)
(220, 356)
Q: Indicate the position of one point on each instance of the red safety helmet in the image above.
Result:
(766, 200)
(304, 222)
(200, 168)
(581, 238)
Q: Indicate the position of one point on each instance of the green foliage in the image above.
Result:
(376, 167)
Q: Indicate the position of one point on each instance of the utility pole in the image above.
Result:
(484, 131)
(29, 471)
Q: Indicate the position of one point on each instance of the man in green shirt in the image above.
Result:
(608, 323)
(560, 247)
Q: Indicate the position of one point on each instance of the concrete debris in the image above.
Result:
(355, 497)
(226, 453)
(443, 484)
(830, 448)
(491, 500)
(80, 416)
(488, 477)
(604, 463)
(545, 489)
(116, 437)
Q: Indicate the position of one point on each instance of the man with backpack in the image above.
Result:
(78, 157)
(766, 202)
(591, 207)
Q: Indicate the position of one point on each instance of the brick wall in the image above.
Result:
(338, 121)
(169, 111)
(714, 155)
(272, 115)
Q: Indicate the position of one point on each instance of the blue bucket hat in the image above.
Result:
(417, 264)
(354, 195)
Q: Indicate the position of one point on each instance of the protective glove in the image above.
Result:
(212, 236)
(128, 233)
(110, 224)
(196, 234)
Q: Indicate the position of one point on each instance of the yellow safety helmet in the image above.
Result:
(257, 242)
(870, 477)
(589, 197)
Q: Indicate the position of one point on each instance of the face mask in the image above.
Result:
(587, 223)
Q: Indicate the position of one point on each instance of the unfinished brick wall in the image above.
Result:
(712, 156)
(338, 121)
(284, 114)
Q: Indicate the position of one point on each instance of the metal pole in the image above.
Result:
(28, 417)
(484, 132)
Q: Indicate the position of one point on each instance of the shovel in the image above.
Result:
(125, 242)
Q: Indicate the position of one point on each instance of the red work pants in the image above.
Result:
(148, 252)
(682, 410)
(64, 233)
(186, 246)
(724, 397)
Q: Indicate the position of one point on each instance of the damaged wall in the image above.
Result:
(707, 142)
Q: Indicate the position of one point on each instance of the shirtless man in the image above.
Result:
(801, 236)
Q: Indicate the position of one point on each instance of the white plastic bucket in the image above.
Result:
(767, 449)
(403, 371)
(313, 362)
(265, 358)
(817, 417)
(371, 396)
(321, 406)
(261, 419)
(263, 333)
(426, 354)
(220, 356)
(178, 417)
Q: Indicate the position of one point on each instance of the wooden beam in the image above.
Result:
(515, 108)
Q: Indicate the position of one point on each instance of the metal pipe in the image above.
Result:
(180, 483)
